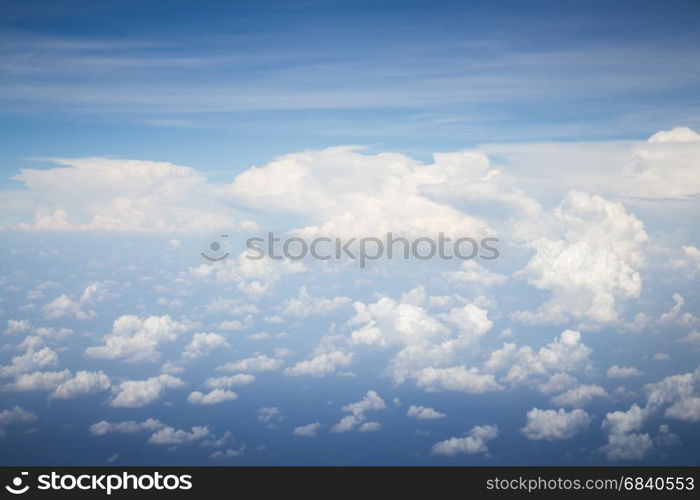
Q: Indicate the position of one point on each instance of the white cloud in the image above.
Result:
(624, 422)
(589, 260)
(38, 381)
(260, 363)
(134, 339)
(580, 396)
(202, 344)
(84, 382)
(687, 409)
(471, 272)
(138, 393)
(456, 378)
(304, 305)
(567, 354)
(424, 413)
(16, 415)
(357, 418)
(32, 360)
(269, 415)
(106, 194)
(551, 425)
(237, 380)
(343, 192)
(254, 277)
(65, 306)
(474, 442)
(310, 430)
(628, 446)
(17, 326)
(616, 371)
(321, 364)
(213, 397)
(168, 436)
(128, 427)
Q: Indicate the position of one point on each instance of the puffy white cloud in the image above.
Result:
(106, 194)
(624, 422)
(254, 277)
(616, 371)
(269, 415)
(580, 396)
(523, 365)
(687, 409)
(38, 381)
(134, 339)
(65, 306)
(304, 305)
(17, 326)
(259, 363)
(357, 418)
(32, 360)
(84, 382)
(343, 192)
(309, 430)
(138, 393)
(589, 261)
(128, 427)
(169, 436)
(213, 397)
(423, 340)
(16, 415)
(320, 364)
(628, 446)
(424, 413)
(237, 380)
(474, 442)
(551, 425)
(471, 272)
(456, 378)
(203, 343)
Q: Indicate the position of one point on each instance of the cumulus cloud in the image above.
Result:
(214, 397)
(65, 306)
(616, 371)
(134, 339)
(346, 193)
(321, 364)
(580, 396)
(304, 305)
(474, 442)
(108, 194)
(456, 378)
(138, 393)
(84, 382)
(31, 360)
(542, 368)
(357, 420)
(259, 363)
(254, 277)
(202, 344)
(552, 425)
(38, 381)
(237, 380)
(169, 436)
(424, 413)
(309, 430)
(589, 261)
(16, 415)
(128, 427)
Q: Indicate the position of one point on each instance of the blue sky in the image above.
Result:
(134, 134)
